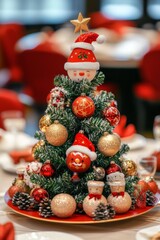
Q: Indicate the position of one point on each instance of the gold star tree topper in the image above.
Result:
(80, 24)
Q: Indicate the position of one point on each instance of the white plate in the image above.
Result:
(137, 141)
(7, 164)
(147, 233)
(23, 140)
(47, 236)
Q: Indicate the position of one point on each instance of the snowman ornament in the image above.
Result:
(119, 199)
(82, 63)
(94, 198)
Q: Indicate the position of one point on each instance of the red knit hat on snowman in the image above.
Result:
(84, 145)
(82, 56)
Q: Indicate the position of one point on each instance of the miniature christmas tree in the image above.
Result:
(77, 148)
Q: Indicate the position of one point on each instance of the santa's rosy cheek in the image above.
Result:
(88, 75)
(75, 74)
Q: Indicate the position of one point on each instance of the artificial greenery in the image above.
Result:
(93, 128)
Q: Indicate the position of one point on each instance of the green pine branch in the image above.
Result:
(95, 127)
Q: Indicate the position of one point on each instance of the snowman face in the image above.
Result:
(78, 162)
(95, 189)
(78, 75)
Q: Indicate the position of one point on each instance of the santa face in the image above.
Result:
(78, 75)
(78, 162)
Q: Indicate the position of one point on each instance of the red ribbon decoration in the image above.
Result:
(95, 196)
(116, 194)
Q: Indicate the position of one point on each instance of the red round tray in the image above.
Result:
(79, 218)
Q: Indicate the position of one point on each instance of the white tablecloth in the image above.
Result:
(125, 229)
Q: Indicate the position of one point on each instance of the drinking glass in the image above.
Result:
(156, 130)
(14, 122)
(146, 166)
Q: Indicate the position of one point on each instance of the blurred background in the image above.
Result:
(31, 30)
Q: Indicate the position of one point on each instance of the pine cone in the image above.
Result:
(45, 208)
(15, 199)
(111, 211)
(22, 200)
(103, 212)
(150, 198)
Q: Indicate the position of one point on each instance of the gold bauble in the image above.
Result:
(21, 185)
(109, 144)
(56, 134)
(129, 167)
(63, 205)
(44, 122)
(37, 146)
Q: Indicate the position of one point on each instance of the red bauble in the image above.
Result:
(47, 169)
(153, 187)
(112, 115)
(113, 167)
(143, 185)
(39, 194)
(141, 200)
(83, 107)
(113, 103)
(12, 190)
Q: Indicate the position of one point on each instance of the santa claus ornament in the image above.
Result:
(80, 155)
(82, 63)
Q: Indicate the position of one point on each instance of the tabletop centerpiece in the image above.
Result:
(79, 165)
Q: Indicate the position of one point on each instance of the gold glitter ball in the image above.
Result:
(37, 146)
(63, 205)
(44, 122)
(56, 134)
(129, 167)
(109, 144)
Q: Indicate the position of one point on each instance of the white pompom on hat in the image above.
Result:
(82, 56)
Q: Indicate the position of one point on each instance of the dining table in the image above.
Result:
(118, 51)
(112, 230)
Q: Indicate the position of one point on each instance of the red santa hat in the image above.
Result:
(84, 145)
(82, 56)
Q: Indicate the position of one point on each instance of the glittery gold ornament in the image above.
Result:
(56, 134)
(44, 122)
(37, 146)
(129, 167)
(21, 185)
(109, 144)
(63, 205)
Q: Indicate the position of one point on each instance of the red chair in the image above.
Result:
(9, 100)
(10, 33)
(109, 87)
(40, 65)
(99, 20)
(147, 91)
